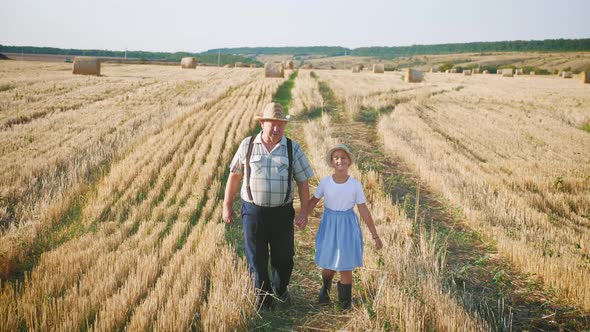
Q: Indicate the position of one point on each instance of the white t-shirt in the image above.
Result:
(340, 196)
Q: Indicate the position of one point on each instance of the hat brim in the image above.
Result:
(260, 118)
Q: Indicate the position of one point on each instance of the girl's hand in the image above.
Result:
(378, 243)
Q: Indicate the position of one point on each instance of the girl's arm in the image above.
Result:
(312, 203)
(366, 215)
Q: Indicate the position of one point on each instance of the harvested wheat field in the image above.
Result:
(111, 190)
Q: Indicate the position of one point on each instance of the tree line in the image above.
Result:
(141, 55)
(246, 54)
(291, 50)
(547, 45)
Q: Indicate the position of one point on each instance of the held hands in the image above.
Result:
(228, 214)
(301, 220)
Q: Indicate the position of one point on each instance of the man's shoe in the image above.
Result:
(264, 302)
(284, 298)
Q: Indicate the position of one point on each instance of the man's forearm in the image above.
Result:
(232, 187)
(303, 188)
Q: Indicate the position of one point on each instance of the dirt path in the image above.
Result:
(302, 313)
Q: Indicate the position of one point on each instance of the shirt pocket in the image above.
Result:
(282, 165)
(256, 165)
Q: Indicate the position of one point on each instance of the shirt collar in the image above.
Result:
(258, 139)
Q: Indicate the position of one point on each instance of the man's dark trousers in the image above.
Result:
(264, 227)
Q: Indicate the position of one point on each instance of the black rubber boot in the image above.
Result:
(344, 295)
(324, 297)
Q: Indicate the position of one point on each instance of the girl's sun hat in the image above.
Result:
(341, 147)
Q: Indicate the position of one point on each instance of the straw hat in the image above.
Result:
(273, 112)
(341, 147)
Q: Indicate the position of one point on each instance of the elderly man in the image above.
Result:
(269, 161)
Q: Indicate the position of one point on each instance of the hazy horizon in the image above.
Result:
(180, 25)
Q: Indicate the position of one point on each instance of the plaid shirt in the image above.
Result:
(270, 171)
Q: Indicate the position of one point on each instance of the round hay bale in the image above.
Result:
(475, 71)
(378, 68)
(467, 72)
(289, 64)
(453, 70)
(228, 66)
(518, 71)
(188, 62)
(567, 74)
(274, 70)
(307, 66)
(532, 73)
(485, 72)
(413, 75)
(356, 69)
(238, 65)
(585, 76)
(86, 65)
(434, 69)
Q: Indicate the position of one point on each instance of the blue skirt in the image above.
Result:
(339, 242)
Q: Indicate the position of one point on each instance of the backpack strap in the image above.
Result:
(290, 176)
(248, 169)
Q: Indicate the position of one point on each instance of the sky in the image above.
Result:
(196, 26)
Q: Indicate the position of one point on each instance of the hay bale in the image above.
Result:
(378, 68)
(414, 75)
(585, 76)
(453, 70)
(434, 69)
(567, 74)
(86, 65)
(532, 73)
(252, 65)
(507, 72)
(274, 70)
(356, 69)
(188, 62)
(475, 71)
(448, 71)
(466, 72)
(238, 65)
(485, 72)
(229, 65)
(307, 66)
(289, 64)
(518, 71)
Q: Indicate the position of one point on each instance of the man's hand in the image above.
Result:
(228, 214)
(301, 220)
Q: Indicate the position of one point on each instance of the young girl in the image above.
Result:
(339, 242)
